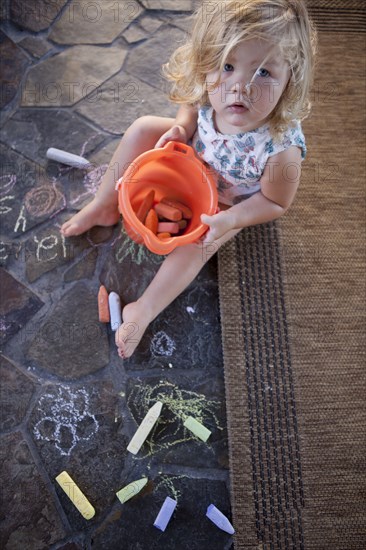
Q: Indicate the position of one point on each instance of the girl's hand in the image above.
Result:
(219, 224)
(176, 133)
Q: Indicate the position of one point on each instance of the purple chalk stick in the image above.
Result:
(219, 519)
(166, 512)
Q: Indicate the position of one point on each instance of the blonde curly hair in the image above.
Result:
(220, 25)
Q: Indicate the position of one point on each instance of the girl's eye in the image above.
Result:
(262, 72)
(228, 67)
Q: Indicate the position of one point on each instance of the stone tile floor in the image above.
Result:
(75, 75)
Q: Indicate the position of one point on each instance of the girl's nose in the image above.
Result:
(242, 88)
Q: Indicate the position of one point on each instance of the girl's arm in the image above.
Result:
(279, 183)
(184, 126)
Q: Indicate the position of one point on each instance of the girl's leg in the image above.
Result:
(141, 136)
(177, 271)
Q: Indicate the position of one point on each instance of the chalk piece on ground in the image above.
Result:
(166, 512)
(168, 227)
(103, 305)
(67, 158)
(219, 519)
(115, 310)
(145, 206)
(75, 495)
(145, 428)
(131, 490)
(197, 428)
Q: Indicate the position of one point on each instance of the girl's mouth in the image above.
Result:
(237, 108)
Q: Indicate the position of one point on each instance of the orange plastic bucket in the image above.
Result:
(173, 171)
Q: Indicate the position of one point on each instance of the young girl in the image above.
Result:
(243, 82)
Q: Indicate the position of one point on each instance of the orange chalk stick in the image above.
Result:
(186, 212)
(168, 212)
(152, 221)
(103, 305)
(164, 235)
(145, 206)
(168, 227)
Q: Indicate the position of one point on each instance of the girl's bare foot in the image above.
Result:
(129, 334)
(94, 213)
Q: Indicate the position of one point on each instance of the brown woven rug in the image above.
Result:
(292, 308)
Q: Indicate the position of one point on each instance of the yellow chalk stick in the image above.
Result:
(131, 489)
(197, 428)
(75, 495)
(145, 428)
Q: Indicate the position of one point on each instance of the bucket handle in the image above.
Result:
(179, 147)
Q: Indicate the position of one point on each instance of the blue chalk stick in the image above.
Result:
(219, 519)
(166, 512)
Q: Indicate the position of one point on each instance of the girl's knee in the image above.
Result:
(150, 123)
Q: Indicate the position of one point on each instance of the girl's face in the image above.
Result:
(240, 107)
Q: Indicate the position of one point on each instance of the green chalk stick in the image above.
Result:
(131, 489)
(197, 428)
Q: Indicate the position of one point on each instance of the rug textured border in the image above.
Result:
(292, 313)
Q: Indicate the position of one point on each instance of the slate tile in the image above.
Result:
(94, 22)
(65, 78)
(29, 517)
(195, 395)
(105, 153)
(32, 131)
(16, 391)
(36, 46)
(13, 65)
(188, 527)
(122, 100)
(150, 23)
(145, 60)
(35, 15)
(171, 5)
(18, 304)
(75, 429)
(83, 268)
(134, 33)
(71, 343)
(27, 196)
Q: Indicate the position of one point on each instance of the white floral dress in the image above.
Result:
(239, 160)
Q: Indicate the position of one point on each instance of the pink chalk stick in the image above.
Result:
(168, 227)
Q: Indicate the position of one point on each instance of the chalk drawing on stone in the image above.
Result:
(162, 344)
(125, 248)
(65, 419)
(168, 487)
(42, 200)
(7, 182)
(5, 208)
(178, 404)
(91, 182)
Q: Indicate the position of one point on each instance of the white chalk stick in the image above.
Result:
(67, 158)
(115, 310)
(145, 428)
